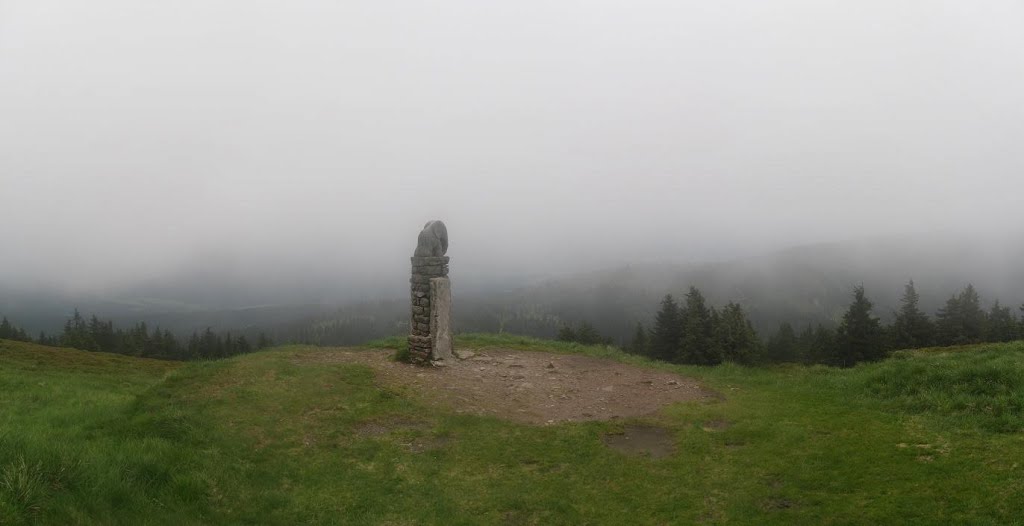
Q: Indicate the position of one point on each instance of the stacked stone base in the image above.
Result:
(421, 340)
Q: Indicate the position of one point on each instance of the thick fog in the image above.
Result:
(282, 140)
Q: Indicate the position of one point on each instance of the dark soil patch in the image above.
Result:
(655, 442)
(527, 386)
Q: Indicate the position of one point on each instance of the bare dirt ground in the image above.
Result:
(529, 386)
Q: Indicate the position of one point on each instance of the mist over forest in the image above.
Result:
(522, 262)
(200, 166)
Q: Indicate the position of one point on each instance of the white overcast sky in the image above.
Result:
(137, 135)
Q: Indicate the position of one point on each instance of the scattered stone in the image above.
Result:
(464, 355)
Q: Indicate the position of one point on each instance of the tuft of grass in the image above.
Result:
(978, 386)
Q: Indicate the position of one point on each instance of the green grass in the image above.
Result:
(928, 437)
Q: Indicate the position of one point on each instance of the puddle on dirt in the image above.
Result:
(651, 441)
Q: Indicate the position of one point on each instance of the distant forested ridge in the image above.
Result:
(139, 340)
(693, 333)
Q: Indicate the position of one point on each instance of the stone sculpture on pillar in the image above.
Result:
(430, 333)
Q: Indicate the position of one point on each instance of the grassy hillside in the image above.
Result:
(929, 437)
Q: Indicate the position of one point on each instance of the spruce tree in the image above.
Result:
(640, 345)
(588, 335)
(823, 348)
(961, 321)
(735, 337)
(972, 315)
(667, 330)
(948, 326)
(697, 345)
(860, 334)
(782, 346)
(1001, 326)
(566, 334)
(912, 328)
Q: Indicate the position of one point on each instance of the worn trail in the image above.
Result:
(529, 386)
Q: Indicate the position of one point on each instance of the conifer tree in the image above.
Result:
(697, 345)
(588, 335)
(961, 321)
(782, 346)
(242, 345)
(1001, 326)
(76, 334)
(567, 334)
(639, 345)
(860, 334)
(912, 328)
(823, 347)
(667, 330)
(735, 336)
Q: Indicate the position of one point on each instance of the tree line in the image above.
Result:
(693, 333)
(9, 331)
(101, 336)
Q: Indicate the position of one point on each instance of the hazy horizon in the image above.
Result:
(142, 140)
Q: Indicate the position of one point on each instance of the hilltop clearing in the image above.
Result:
(306, 435)
(528, 386)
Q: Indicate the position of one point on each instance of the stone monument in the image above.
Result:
(430, 332)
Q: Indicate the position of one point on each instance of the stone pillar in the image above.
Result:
(431, 310)
(441, 318)
(430, 332)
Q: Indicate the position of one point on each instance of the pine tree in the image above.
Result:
(912, 328)
(1001, 326)
(588, 335)
(242, 345)
(782, 346)
(973, 316)
(961, 321)
(6, 331)
(697, 345)
(860, 334)
(76, 334)
(1020, 330)
(823, 348)
(567, 334)
(735, 336)
(640, 344)
(667, 330)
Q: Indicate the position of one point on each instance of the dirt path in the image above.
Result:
(528, 386)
